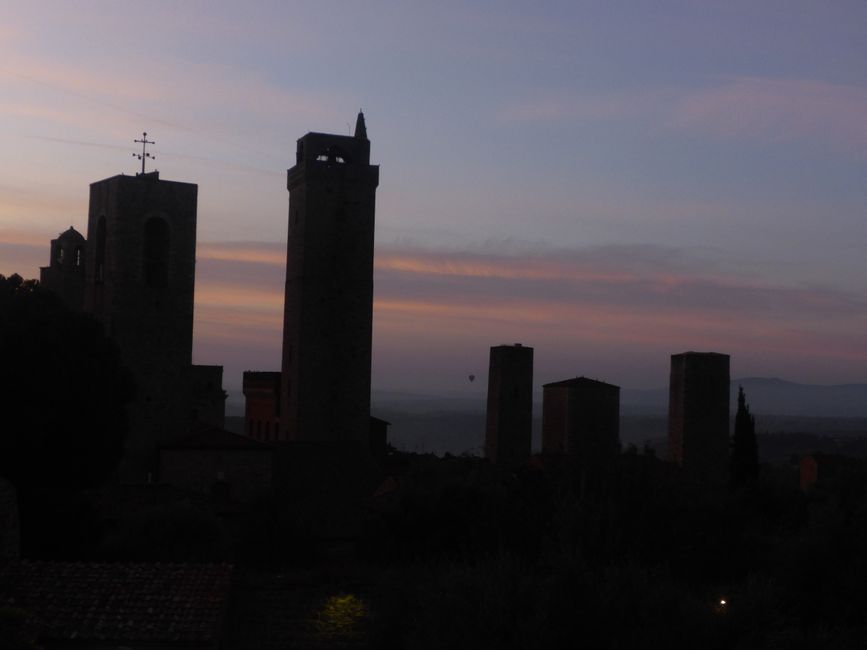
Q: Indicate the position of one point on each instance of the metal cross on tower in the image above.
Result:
(144, 155)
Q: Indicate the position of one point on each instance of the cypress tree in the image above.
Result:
(745, 450)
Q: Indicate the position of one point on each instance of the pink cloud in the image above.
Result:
(779, 110)
(569, 106)
(30, 238)
(645, 300)
(23, 251)
(248, 253)
(160, 92)
(767, 109)
(594, 303)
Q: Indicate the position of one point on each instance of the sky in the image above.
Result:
(609, 182)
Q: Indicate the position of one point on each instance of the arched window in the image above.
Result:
(78, 258)
(99, 260)
(156, 253)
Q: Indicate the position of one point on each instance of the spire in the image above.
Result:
(360, 128)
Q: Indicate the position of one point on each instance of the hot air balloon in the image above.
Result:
(472, 378)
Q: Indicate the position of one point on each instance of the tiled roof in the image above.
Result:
(145, 603)
(579, 381)
(313, 609)
(208, 437)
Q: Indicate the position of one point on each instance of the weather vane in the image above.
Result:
(144, 155)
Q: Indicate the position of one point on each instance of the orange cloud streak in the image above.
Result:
(250, 254)
(237, 314)
(505, 268)
(227, 296)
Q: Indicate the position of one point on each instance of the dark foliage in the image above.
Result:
(745, 450)
(639, 558)
(167, 533)
(457, 508)
(272, 533)
(63, 392)
(57, 524)
(17, 631)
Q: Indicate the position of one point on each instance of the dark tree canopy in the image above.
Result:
(63, 392)
(745, 450)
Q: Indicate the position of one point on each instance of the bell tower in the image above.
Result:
(328, 308)
(140, 276)
(65, 271)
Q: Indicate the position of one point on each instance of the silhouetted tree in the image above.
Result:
(745, 450)
(17, 631)
(63, 392)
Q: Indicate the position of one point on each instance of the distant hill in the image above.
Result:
(766, 395)
(424, 403)
(780, 397)
(456, 424)
(437, 424)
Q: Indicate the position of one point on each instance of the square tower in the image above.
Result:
(581, 417)
(508, 430)
(141, 263)
(262, 404)
(698, 414)
(139, 282)
(328, 308)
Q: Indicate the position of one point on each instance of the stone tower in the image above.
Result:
(328, 308)
(698, 414)
(140, 277)
(508, 429)
(64, 274)
(262, 404)
(581, 417)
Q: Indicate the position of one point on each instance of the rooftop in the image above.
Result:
(579, 381)
(209, 437)
(144, 603)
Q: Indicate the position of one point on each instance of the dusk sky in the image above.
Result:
(608, 182)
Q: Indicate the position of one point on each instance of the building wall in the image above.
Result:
(207, 397)
(809, 472)
(243, 473)
(10, 529)
(262, 405)
(508, 429)
(378, 445)
(555, 419)
(698, 414)
(328, 307)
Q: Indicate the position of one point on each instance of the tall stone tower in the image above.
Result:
(698, 414)
(328, 308)
(508, 429)
(140, 276)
